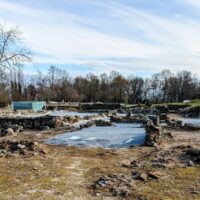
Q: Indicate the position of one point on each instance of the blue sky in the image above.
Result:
(129, 36)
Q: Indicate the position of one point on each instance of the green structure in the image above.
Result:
(35, 106)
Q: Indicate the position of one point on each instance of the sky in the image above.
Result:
(96, 36)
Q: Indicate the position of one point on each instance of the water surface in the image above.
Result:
(195, 121)
(118, 136)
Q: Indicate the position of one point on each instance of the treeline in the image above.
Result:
(58, 85)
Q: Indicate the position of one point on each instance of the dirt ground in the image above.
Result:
(169, 172)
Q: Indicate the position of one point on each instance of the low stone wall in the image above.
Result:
(129, 119)
(62, 107)
(190, 111)
(100, 106)
(161, 109)
(176, 107)
(34, 122)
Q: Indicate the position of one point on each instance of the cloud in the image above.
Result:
(116, 37)
(192, 2)
(61, 35)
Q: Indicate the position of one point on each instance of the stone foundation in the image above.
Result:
(32, 122)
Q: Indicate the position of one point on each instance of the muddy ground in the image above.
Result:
(169, 172)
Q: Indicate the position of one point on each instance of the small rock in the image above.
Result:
(125, 163)
(44, 151)
(102, 182)
(103, 123)
(124, 193)
(154, 144)
(114, 191)
(193, 191)
(2, 151)
(10, 132)
(36, 144)
(20, 129)
(35, 153)
(143, 176)
(3, 132)
(44, 128)
(153, 175)
(190, 163)
(135, 175)
(134, 163)
(21, 146)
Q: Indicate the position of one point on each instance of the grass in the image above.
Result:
(67, 173)
(195, 102)
(62, 174)
(192, 103)
(176, 187)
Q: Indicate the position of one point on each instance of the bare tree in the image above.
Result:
(12, 52)
(135, 89)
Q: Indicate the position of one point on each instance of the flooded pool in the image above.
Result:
(117, 136)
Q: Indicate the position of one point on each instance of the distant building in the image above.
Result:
(35, 106)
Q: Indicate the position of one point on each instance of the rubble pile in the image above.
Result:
(183, 156)
(160, 109)
(102, 123)
(71, 119)
(194, 155)
(139, 110)
(174, 123)
(141, 171)
(21, 147)
(177, 123)
(10, 130)
(120, 185)
(87, 125)
(113, 184)
(92, 117)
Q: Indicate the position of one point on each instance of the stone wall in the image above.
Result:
(155, 135)
(99, 106)
(29, 122)
(129, 119)
(190, 111)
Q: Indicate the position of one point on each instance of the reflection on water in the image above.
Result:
(118, 136)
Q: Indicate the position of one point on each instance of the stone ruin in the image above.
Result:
(9, 125)
(28, 122)
(129, 119)
(155, 135)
